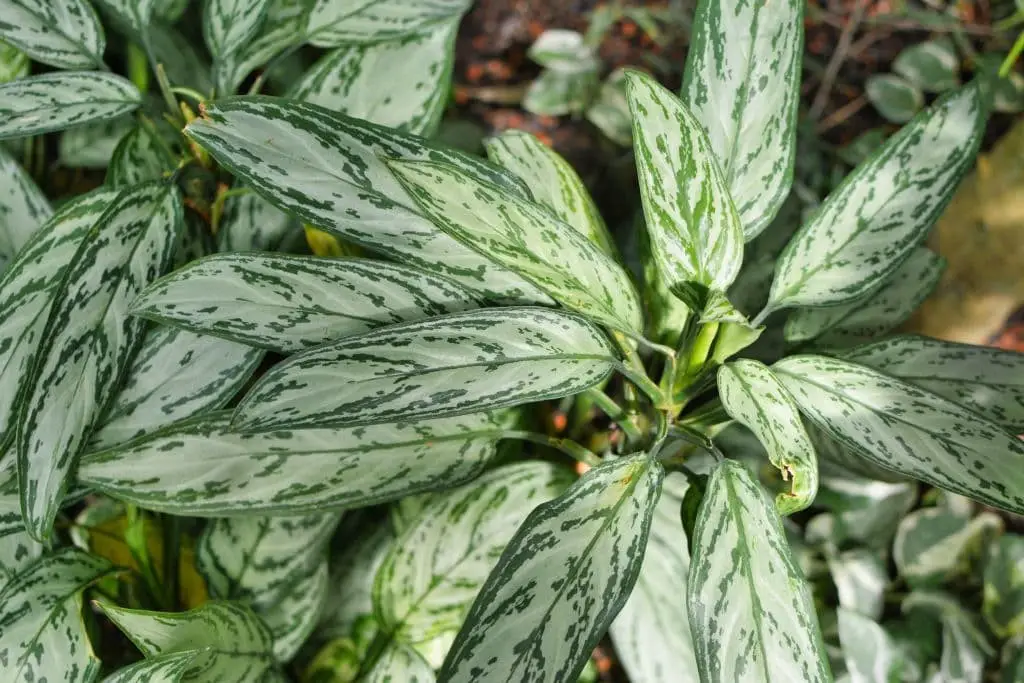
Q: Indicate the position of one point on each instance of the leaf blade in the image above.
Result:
(63, 33)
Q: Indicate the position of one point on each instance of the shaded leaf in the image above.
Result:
(894, 97)
(936, 545)
(282, 29)
(1003, 605)
(251, 223)
(332, 23)
(23, 208)
(140, 156)
(931, 65)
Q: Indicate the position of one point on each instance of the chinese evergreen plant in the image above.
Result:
(260, 465)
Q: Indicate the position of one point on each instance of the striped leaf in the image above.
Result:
(934, 546)
(334, 22)
(229, 25)
(28, 289)
(42, 636)
(168, 668)
(742, 83)
(553, 183)
(275, 565)
(399, 663)
(436, 567)
(17, 548)
(289, 303)
(753, 396)
(401, 83)
(898, 426)
(874, 316)
(251, 223)
(870, 653)
(652, 632)
(23, 208)
(282, 29)
(217, 472)
(175, 375)
(750, 607)
(88, 341)
(140, 156)
(562, 579)
(235, 646)
(58, 100)
(873, 222)
(330, 171)
(526, 239)
(449, 365)
(695, 232)
(986, 380)
(63, 33)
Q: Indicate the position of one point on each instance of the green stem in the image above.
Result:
(1009, 22)
(616, 412)
(570, 448)
(138, 67)
(1011, 58)
(188, 92)
(646, 385)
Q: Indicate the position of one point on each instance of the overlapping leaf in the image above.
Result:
(742, 83)
(201, 467)
(448, 365)
(561, 580)
(17, 548)
(871, 655)
(330, 171)
(878, 216)
(228, 25)
(1003, 604)
(750, 608)
(14, 63)
(282, 29)
(23, 208)
(88, 341)
(251, 223)
(936, 545)
(166, 668)
(898, 426)
(53, 101)
(861, 577)
(288, 303)
(526, 239)
(332, 23)
(399, 662)
(140, 156)
(62, 33)
(865, 510)
(92, 145)
(353, 569)
(135, 15)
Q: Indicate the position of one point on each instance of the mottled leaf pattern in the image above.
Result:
(332, 23)
(869, 225)
(42, 636)
(898, 426)
(53, 101)
(228, 25)
(88, 341)
(135, 15)
(446, 365)
(526, 239)
(330, 171)
(202, 468)
(936, 545)
(750, 608)
(562, 579)
(986, 380)
(63, 33)
(140, 156)
(282, 29)
(166, 668)
(289, 303)
(694, 229)
(742, 83)
(752, 395)
(400, 663)
(23, 208)
(870, 654)
(861, 577)
(17, 549)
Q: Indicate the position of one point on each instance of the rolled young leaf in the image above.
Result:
(66, 34)
(202, 468)
(526, 239)
(23, 208)
(901, 427)
(334, 23)
(742, 82)
(448, 365)
(561, 580)
(751, 611)
(289, 303)
(694, 229)
(88, 341)
(876, 218)
(751, 394)
(58, 100)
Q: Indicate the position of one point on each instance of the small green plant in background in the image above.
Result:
(261, 465)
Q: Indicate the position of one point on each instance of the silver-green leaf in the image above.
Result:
(166, 668)
(228, 25)
(335, 22)
(871, 655)
(23, 208)
(936, 545)
(283, 29)
(140, 156)
(251, 223)
(63, 33)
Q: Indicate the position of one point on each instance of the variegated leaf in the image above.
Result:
(861, 578)
(871, 655)
(839, 461)
(88, 341)
(449, 365)
(92, 145)
(652, 632)
(526, 239)
(42, 635)
(898, 426)
(17, 548)
(936, 545)
(58, 100)
(877, 314)
(218, 472)
(275, 565)
(184, 63)
(399, 663)
(742, 83)
(695, 232)
(336, 22)
(282, 29)
(865, 510)
(229, 25)
(251, 223)
(330, 171)
(133, 15)
(562, 579)
(1003, 597)
(353, 567)
(986, 380)
(963, 661)
(436, 567)
(28, 289)
(14, 63)
(235, 646)
(402, 83)
(552, 181)
(23, 208)
(140, 156)
(751, 394)
(869, 225)
(750, 607)
(289, 303)
(166, 668)
(174, 375)
(63, 33)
